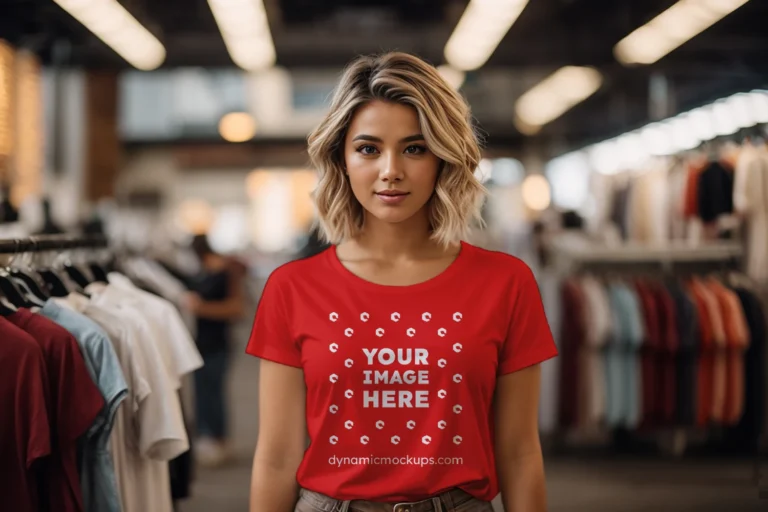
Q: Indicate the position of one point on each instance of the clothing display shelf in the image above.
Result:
(571, 251)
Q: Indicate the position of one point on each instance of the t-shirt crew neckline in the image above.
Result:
(446, 275)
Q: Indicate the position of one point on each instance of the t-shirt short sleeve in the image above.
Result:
(76, 416)
(186, 356)
(31, 409)
(271, 337)
(529, 339)
(162, 435)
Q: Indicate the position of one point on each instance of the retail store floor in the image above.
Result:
(595, 485)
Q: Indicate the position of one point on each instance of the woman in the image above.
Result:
(410, 356)
(217, 299)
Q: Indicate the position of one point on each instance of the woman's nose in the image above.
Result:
(392, 169)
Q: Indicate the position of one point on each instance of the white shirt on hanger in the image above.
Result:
(750, 199)
(179, 349)
(149, 427)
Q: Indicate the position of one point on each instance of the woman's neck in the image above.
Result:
(390, 241)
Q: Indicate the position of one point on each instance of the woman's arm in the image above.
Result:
(282, 438)
(519, 461)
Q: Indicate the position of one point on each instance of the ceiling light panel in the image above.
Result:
(555, 95)
(672, 28)
(480, 30)
(245, 29)
(110, 22)
(454, 77)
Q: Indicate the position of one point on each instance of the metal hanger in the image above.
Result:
(75, 278)
(99, 274)
(6, 308)
(76, 274)
(53, 282)
(28, 282)
(15, 294)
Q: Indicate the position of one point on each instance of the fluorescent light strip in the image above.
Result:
(670, 29)
(554, 96)
(245, 29)
(115, 26)
(454, 77)
(480, 30)
(683, 132)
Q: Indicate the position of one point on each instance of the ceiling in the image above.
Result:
(731, 56)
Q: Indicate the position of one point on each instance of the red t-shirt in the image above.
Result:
(24, 428)
(400, 379)
(75, 402)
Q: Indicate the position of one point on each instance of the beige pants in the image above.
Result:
(454, 500)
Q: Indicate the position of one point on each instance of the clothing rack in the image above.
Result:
(573, 253)
(46, 243)
(77, 306)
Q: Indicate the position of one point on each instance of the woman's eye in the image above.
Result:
(366, 150)
(415, 150)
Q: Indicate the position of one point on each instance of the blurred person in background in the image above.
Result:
(453, 333)
(217, 299)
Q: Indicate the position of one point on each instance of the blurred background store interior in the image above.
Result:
(624, 148)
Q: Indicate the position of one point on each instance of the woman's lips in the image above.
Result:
(392, 198)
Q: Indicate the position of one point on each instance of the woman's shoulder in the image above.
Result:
(300, 268)
(497, 262)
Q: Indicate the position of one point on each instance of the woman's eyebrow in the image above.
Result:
(371, 138)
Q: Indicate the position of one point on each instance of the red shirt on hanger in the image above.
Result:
(23, 396)
(75, 402)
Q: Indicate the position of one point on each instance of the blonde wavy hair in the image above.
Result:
(447, 127)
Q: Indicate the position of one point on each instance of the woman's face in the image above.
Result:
(390, 168)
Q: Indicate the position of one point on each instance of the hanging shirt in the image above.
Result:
(625, 372)
(75, 403)
(687, 327)
(176, 345)
(24, 391)
(598, 326)
(753, 421)
(706, 363)
(668, 353)
(97, 475)
(737, 341)
(149, 428)
(160, 280)
(572, 341)
(719, 363)
(676, 182)
(400, 379)
(715, 192)
(173, 340)
(750, 198)
(649, 355)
